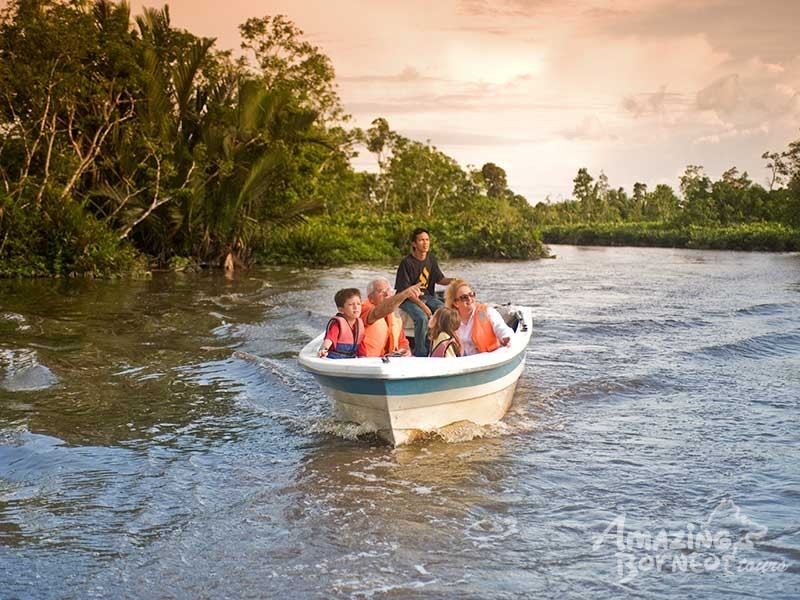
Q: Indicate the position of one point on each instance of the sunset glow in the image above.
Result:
(635, 89)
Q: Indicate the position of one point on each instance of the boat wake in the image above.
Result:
(516, 422)
(344, 430)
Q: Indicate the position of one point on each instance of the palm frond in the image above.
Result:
(158, 105)
(154, 25)
(185, 72)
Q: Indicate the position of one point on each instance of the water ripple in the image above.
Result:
(184, 453)
(769, 345)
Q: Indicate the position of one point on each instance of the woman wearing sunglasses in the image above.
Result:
(482, 328)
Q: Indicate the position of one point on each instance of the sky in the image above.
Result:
(637, 89)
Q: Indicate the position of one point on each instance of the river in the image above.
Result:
(158, 440)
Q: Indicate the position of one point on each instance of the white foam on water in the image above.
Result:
(344, 430)
(275, 367)
(20, 320)
(491, 530)
(421, 569)
(365, 476)
(460, 431)
(23, 372)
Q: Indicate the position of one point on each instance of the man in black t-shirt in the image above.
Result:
(420, 267)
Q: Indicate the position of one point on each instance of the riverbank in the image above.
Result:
(768, 237)
(326, 242)
(70, 249)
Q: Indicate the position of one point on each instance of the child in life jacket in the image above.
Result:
(345, 330)
(442, 329)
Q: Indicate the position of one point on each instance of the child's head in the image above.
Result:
(348, 302)
(444, 319)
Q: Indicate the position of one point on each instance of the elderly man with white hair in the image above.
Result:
(383, 333)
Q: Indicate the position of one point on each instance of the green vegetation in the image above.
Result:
(341, 240)
(732, 213)
(742, 236)
(128, 143)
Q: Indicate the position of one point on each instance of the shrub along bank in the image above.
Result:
(329, 242)
(774, 237)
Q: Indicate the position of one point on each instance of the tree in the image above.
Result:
(792, 160)
(639, 200)
(733, 179)
(584, 192)
(424, 179)
(381, 141)
(730, 196)
(67, 86)
(495, 179)
(619, 204)
(778, 169)
(696, 189)
(602, 187)
(285, 60)
(662, 203)
(239, 155)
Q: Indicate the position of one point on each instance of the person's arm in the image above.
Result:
(389, 305)
(437, 275)
(403, 347)
(422, 305)
(330, 336)
(367, 317)
(501, 330)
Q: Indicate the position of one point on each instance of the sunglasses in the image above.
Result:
(465, 297)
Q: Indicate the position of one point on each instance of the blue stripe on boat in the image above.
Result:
(417, 385)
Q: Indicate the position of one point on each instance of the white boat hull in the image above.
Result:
(409, 397)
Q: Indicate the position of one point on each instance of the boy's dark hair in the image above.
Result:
(416, 232)
(344, 295)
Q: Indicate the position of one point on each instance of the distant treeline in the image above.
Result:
(731, 213)
(128, 144)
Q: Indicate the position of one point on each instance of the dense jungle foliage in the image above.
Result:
(128, 144)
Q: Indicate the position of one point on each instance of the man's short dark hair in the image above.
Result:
(344, 295)
(416, 232)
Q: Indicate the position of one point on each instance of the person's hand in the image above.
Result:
(404, 351)
(505, 341)
(426, 310)
(322, 352)
(415, 291)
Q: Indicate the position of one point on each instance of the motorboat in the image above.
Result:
(407, 398)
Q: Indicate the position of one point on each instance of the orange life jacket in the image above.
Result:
(349, 337)
(381, 337)
(483, 335)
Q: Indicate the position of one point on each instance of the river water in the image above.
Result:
(158, 440)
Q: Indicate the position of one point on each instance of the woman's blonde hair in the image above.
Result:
(447, 320)
(450, 292)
